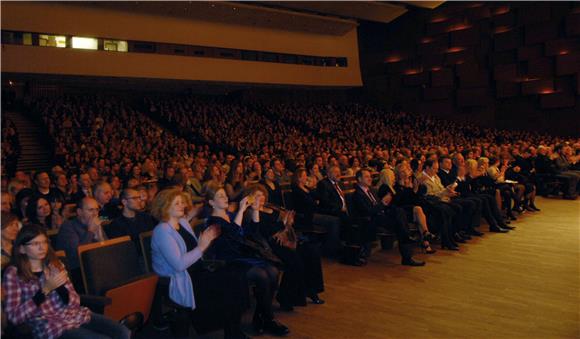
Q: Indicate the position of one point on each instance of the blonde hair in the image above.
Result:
(163, 200)
(482, 160)
(470, 165)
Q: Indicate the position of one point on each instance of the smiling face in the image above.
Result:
(177, 208)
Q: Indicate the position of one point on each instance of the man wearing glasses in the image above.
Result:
(133, 219)
(84, 229)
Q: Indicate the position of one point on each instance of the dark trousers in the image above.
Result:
(99, 327)
(331, 244)
(571, 181)
(395, 218)
(441, 215)
(465, 210)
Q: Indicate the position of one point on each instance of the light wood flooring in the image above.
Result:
(523, 284)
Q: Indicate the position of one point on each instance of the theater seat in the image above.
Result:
(111, 269)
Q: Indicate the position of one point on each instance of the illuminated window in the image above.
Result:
(52, 40)
(115, 45)
(27, 39)
(84, 43)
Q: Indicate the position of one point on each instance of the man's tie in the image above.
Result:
(338, 190)
(341, 194)
(370, 194)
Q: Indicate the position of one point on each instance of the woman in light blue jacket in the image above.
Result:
(215, 298)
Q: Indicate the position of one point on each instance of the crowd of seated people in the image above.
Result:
(257, 182)
(10, 146)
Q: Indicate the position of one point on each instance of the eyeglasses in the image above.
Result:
(37, 243)
(136, 197)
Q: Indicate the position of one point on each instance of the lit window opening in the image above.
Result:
(52, 40)
(85, 43)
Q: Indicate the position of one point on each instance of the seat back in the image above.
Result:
(107, 228)
(132, 298)
(52, 234)
(145, 240)
(108, 264)
(61, 255)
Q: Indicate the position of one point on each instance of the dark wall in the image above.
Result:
(503, 64)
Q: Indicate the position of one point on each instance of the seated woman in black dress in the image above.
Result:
(272, 186)
(236, 181)
(216, 298)
(303, 269)
(232, 246)
(438, 213)
(305, 204)
(406, 197)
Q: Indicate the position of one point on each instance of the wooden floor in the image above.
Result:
(524, 284)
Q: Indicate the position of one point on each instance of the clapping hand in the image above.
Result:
(208, 236)
(54, 279)
(245, 203)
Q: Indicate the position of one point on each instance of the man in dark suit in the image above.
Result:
(333, 203)
(373, 212)
(472, 205)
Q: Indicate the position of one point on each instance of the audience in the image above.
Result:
(114, 161)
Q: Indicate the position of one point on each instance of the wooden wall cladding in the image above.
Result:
(465, 37)
(568, 64)
(459, 57)
(573, 24)
(416, 79)
(558, 100)
(437, 93)
(442, 78)
(472, 97)
(530, 52)
(507, 40)
(470, 54)
(542, 67)
(506, 19)
(540, 86)
(432, 60)
(562, 46)
(466, 68)
(475, 79)
(542, 32)
(535, 13)
(507, 72)
(503, 58)
(507, 89)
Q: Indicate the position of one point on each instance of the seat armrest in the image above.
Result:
(95, 303)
